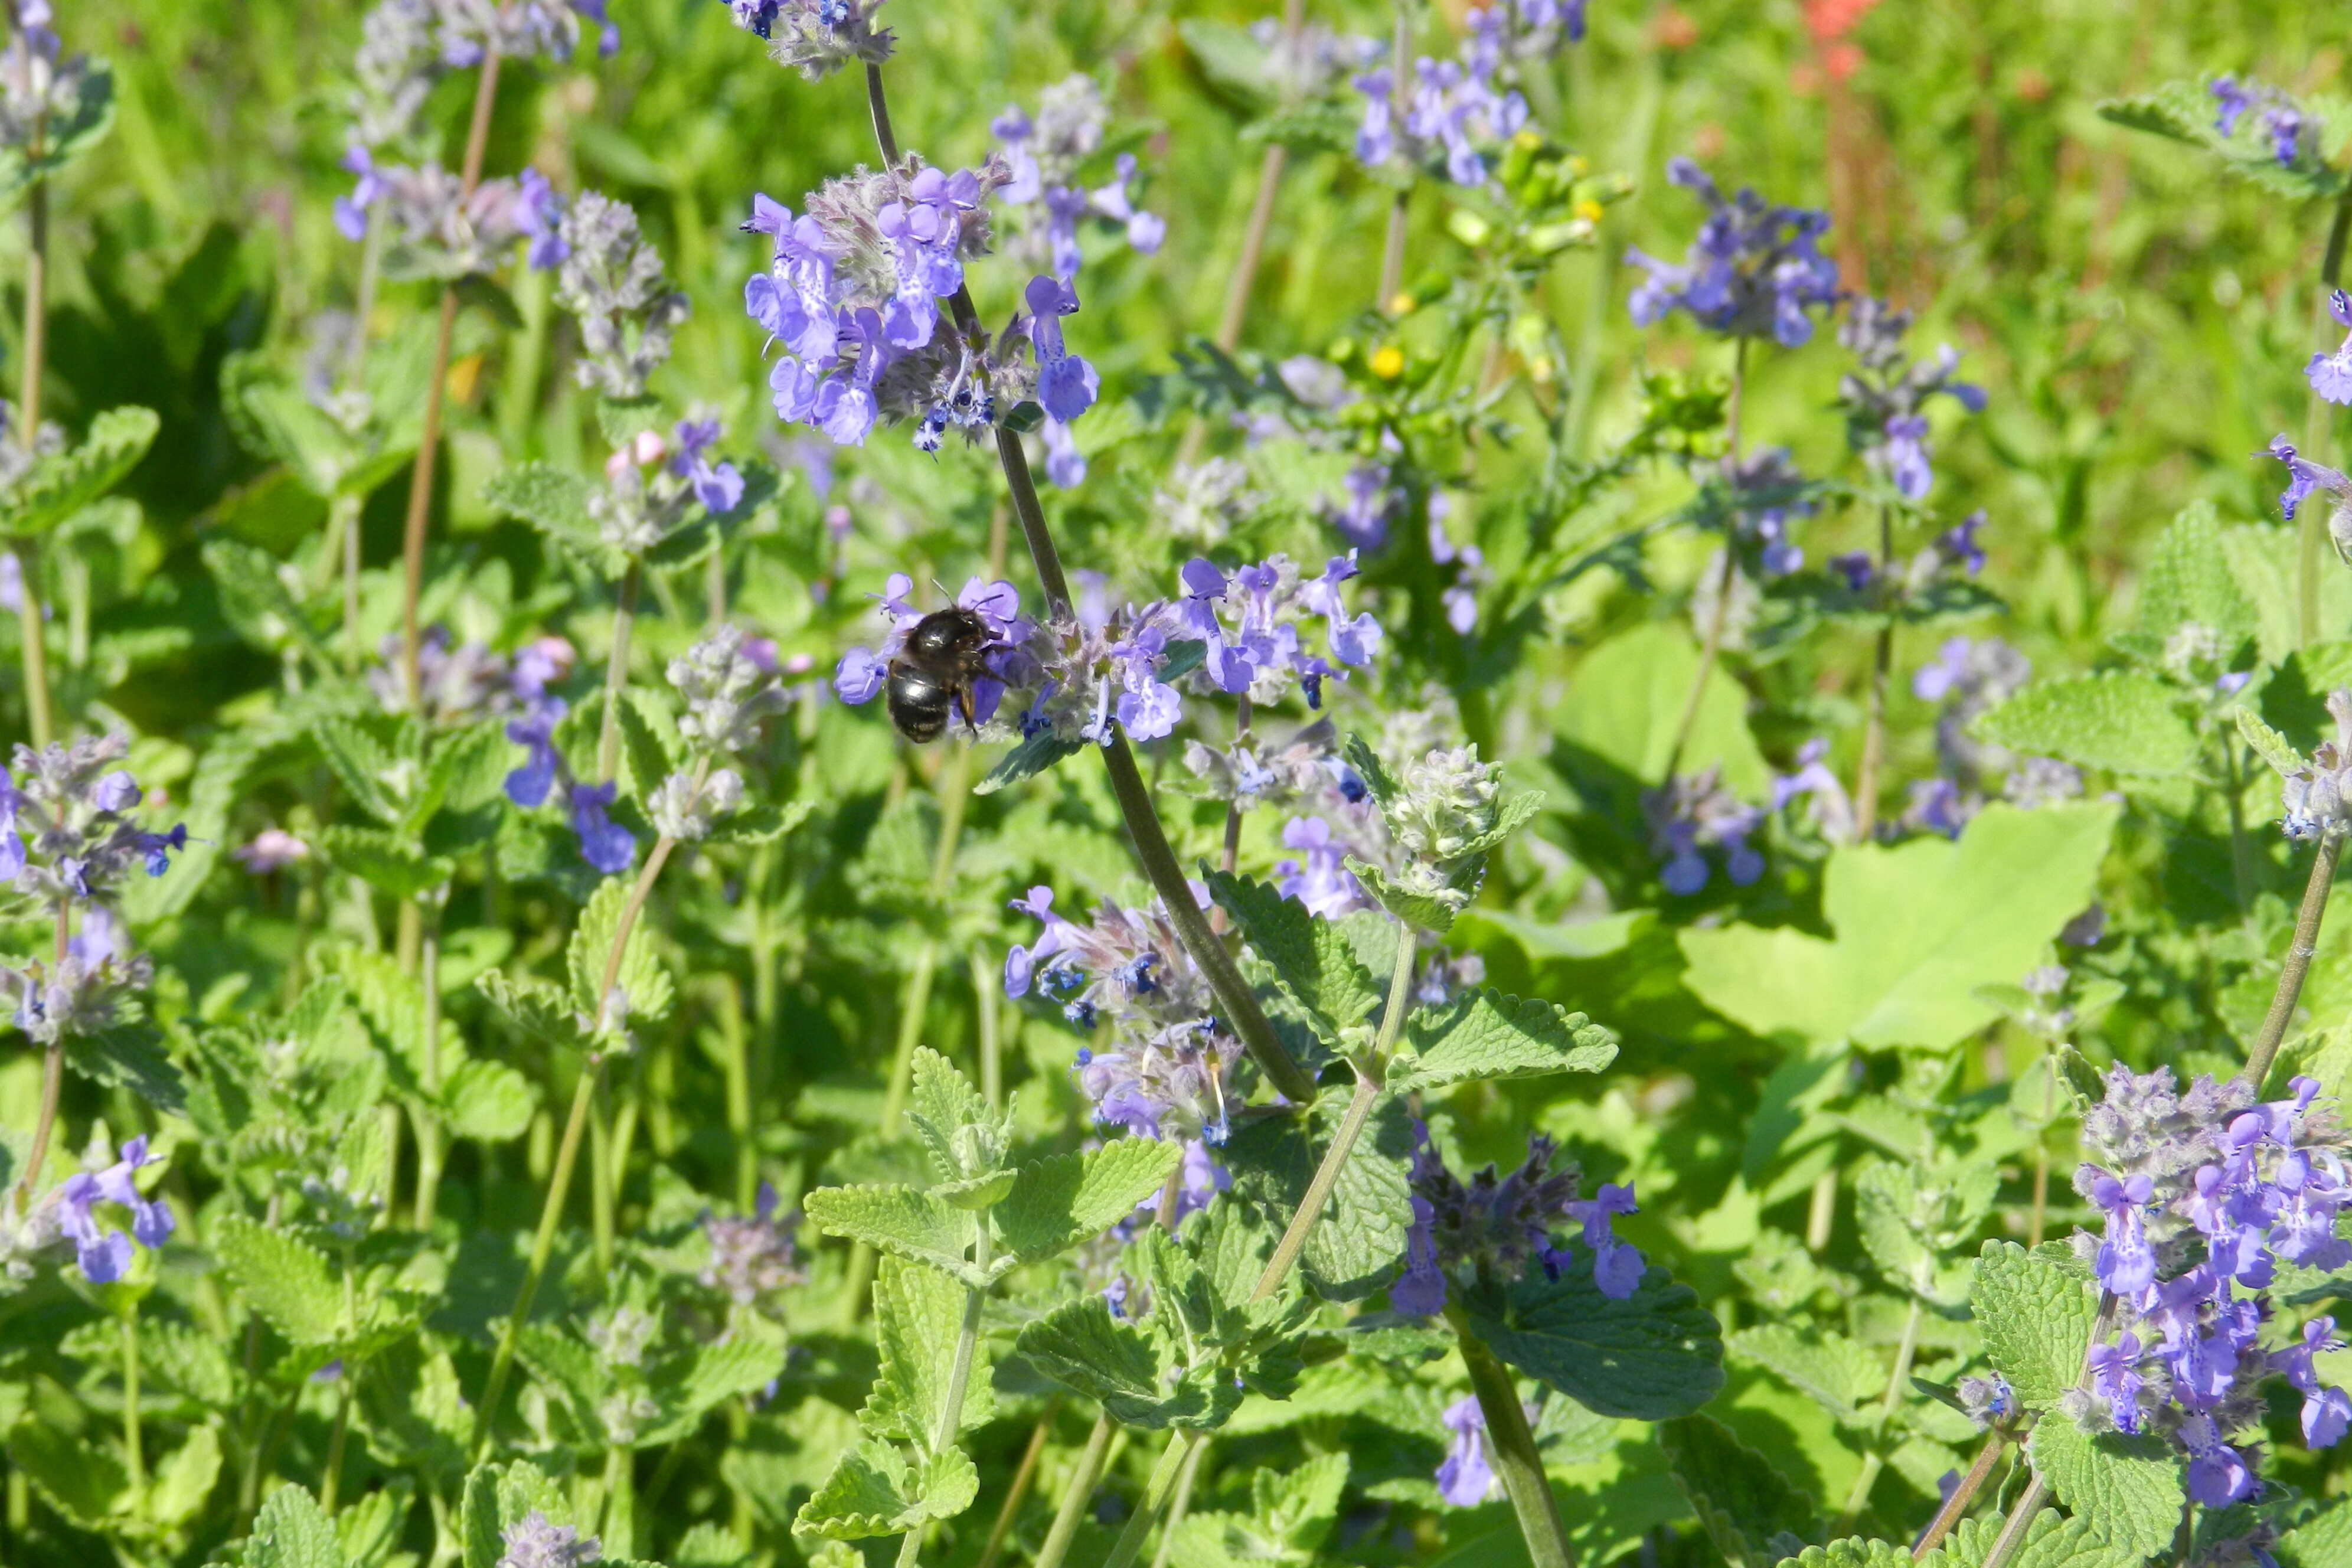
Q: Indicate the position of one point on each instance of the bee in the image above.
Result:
(933, 673)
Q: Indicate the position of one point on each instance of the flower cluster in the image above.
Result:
(1753, 271)
(520, 29)
(815, 37)
(459, 684)
(1202, 502)
(445, 231)
(1249, 625)
(1163, 1072)
(103, 1252)
(74, 804)
(651, 486)
(2203, 1194)
(1044, 155)
(1460, 597)
(1754, 498)
(536, 1541)
(1445, 805)
(1452, 107)
(1695, 812)
(398, 60)
(1495, 1225)
(39, 92)
(1884, 395)
(2280, 119)
(864, 671)
(613, 282)
(1363, 513)
(1307, 63)
(2317, 797)
(1968, 677)
(1464, 1478)
(751, 1256)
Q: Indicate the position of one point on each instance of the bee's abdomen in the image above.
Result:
(919, 704)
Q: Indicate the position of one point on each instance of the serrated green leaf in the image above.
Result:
(132, 1056)
(2036, 1321)
(487, 1100)
(467, 771)
(1312, 959)
(2323, 1541)
(1061, 1201)
(1919, 927)
(1033, 757)
(555, 502)
(497, 1496)
(537, 1007)
(184, 1483)
(2130, 1487)
(363, 766)
(384, 860)
(902, 1221)
(1513, 811)
(82, 1480)
(1425, 912)
(61, 484)
(917, 1318)
(1358, 1244)
(1378, 781)
(962, 1136)
(254, 600)
(645, 759)
(2269, 744)
(1854, 1552)
(873, 1490)
(289, 1282)
(2124, 721)
(1130, 1371)
(1483, 1034)
(641, 974)
(2187, 582)
(1655, 1356)
(1836, 1372)
(293, 1531)
(759, 824)
(1742, 1503)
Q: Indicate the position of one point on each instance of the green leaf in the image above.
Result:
(1378, 781)
(362, 764)
(2269, 744)
(1655, 1356)
(468, 771)
(290, 1282)
(293, 1531)
(82, 1480)
(641, 974)
(1311, 959)
(487, 1100)
(873, 1490)
(62, 483)
(254, 600)
(1854, 1552)
(1829, 1367)
(1358, 1244)
(1425, 912)
(917, 1320)
(759, 824)
(1033, 757)
(555, 502)
(2130, 1486)
(2323, 1541)
(2183, 111)
(2187, 582)
(132, 1056)
(1061, 1201)
(1130, 1370)
(382, 859)
(901, 1221)
(1919, 927)
(497, 1496)
(2126, 722)
(184, 1483)
(964, 1137)
(2036, 1318)
(647, 761)
(1742, 1503)
(538, 1009)
(1625, 704)
(1483, 1034)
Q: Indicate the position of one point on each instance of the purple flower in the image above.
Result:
(2284, 125)
(1066, 383)
(717, 486)
(1617, 1266)
(1065, 464)
(1363, 518)
(117, 792)
(539, 214)
(1754, 270)
(2330, 375)
(1319, 877)
(1906, 456)
(352, 211)
(2126, 1264)
(1465, 1478)
(2230, 103)
(535, 733)
(1856, 568)
(1958, 544)
(2218, 1474)
(2116, 1378)
(604, 843)
(1420, 1290)
(103, 1252)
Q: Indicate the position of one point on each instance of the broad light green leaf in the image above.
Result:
(962, 1136)
(254, 599)
(688, 1387)
(918, 1318)
(1358, 1244)
(2130, 1487)
(1837, 1373)
(1741, 1501)
(1919, 927)
(1625, 703)
(1484, 1034)
(1655, 1356)
(873, 1490)
(1061, 1201)
(2036, 1319)
(184, 1482)
(361, 763)
(293, 1531)
(84, 1481)
(589, 953)
(1033, 757)
(489, 1100)
(2187, 582)
(2126, 722)
(1311, 959)
(903, 1221)
(2052, 1541)
(290, 1282)
(2325, 1541)
(2269, 744)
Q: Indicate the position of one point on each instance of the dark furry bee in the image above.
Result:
(933, 673)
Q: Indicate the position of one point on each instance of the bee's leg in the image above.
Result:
(963, 709)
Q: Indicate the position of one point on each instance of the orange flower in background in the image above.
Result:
(1830, 20)
(1676, 30)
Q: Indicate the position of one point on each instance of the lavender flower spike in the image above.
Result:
(1465, 1478)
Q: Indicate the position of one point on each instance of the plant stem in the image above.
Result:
(420, 477)
(36, 653)
(1151, 847)
(1181, 1504)
(620, 1529)
(343, 524)
(1400, 100)
(2041, 1152)
(600, 1176)
(567, 1154)
(1513, 1447)
(737, 1063)
(330, 1479)
(2314, 529)
(616, 677)
(2298, 960)
(2242, 851)
(1872, 1462)
(1874, 735)
(1073, 1502)
(132, 1452)
(1351, 1126)
(428, 1122)
(1155, 1498)
(992, 1042)
(53, 1066)
(1719, 614)
(1962, 1495)
(950, 1422)
(2020, 1519)
(1022, 1474)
